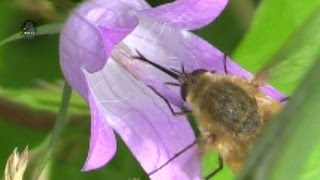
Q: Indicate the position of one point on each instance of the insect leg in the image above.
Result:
(172, 83)
(219, 168)
(285, 99)
(173, 157)
(182, 69)
(225, 63)
(183, 112)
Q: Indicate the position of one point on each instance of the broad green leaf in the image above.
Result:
(312, 170)
(284, 149)
(274, 23)
(285, 32)
(297, 54)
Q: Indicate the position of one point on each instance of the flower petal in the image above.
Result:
(171, 48)
(187, 14)
(102, 140)
(211, 58)
(89, 56)
(83, 47)
(143, 121)
(118, 5)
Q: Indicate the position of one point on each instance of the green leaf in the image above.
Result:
(275, 21)
(286, 33)
(312, 170)
(283, 31)
(284, 149)
(46, 29)
(297, 54)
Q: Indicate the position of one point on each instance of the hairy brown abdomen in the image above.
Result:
(225, 103)
(231, 109)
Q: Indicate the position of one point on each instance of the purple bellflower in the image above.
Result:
(96, 48)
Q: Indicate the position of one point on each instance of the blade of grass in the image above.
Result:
(46, 29)
(274, 23)
(297, 54)
(284, 148)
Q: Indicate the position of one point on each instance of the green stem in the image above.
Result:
(60, 123)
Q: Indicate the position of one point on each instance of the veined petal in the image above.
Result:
(102, 140)
(143, 121)
(119, 4)
(84, 47)
(172, 48)
(187, 14)
(85, 53)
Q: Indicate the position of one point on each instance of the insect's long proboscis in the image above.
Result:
(173, 74)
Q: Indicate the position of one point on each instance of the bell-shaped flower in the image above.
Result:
(97, 46)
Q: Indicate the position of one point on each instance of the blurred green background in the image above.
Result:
(282, 34)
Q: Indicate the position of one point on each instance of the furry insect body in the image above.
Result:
(230, 111)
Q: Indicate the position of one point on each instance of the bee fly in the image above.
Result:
(230, 111)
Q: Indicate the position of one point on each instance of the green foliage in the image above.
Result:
(284, 32)
(287, 34)
(283, 151)
(274, 23)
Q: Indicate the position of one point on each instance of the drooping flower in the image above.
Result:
(96, 49)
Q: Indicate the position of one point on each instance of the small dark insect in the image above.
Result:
(230, 111)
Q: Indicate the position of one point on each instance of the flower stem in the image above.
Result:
(60, 123)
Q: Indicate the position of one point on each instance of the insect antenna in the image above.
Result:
(176, 71)
(173, 157)
(172, 83)
(285, 99)
(182, 68)
(183, 112)
(171, 73)
(225, 63)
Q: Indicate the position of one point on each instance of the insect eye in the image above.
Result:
(198, 72)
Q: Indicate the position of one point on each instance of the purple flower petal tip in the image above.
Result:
(187, 14)
(102, 142)
(97, 46)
